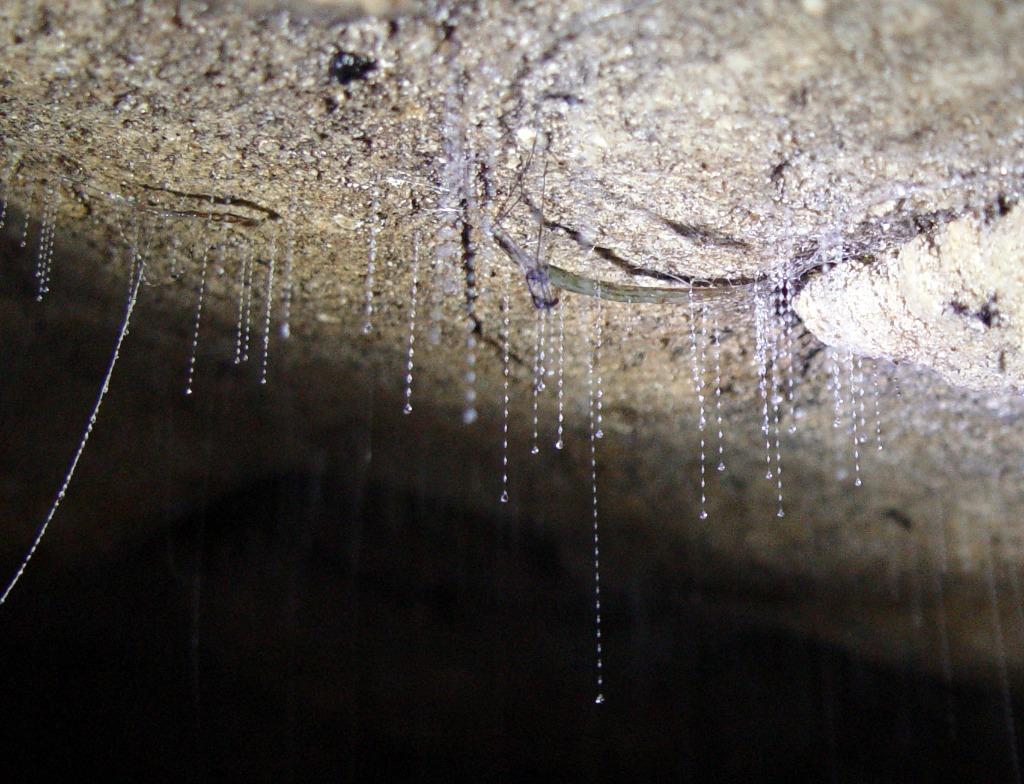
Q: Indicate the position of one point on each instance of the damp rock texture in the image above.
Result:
(952, 301)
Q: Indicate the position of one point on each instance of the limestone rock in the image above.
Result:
(953, 302)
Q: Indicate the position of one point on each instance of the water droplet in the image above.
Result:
(242, 325)
(835, 373)
(560, 430)
(876, 398)
(788, 320)
(175, 261)
(47, 231)
(593, 383)
(540, 319)
(23, 242)
(371, 266)
(3, 203)
(84, 440)
(505, 369)
(201, 294)
(718, 390)
(470, 294)
(854, 418)
(698, 357)
(287, 289)
(452, 203)
(777, 348)
(268, 308)
(410, 350)
(763, 305)
(598, 340)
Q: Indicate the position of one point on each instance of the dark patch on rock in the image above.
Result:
(927, 226)
(959, 308)
(1001, 207)
(898, 517)
(702, 236)
(348, 67)
(778, 173)
(987, 314)
(567, 98)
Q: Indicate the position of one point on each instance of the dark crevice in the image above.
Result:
(213, 216)
(635, 270)
(222, 201)
(900, 518)
(702, 235)
(706, 237)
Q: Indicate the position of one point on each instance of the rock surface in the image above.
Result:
(952, 302)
